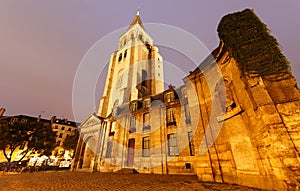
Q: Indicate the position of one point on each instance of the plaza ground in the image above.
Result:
(73, 181)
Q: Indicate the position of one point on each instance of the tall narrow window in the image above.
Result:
(144, 77)
(120, 57)
(186, 108)
(109, 149)
(125, 54)
(132, 124)
(169, 97)
(171, 117)
(133, 106)
(191, 143)
(146, 122)
(146, 146)
(172, 144)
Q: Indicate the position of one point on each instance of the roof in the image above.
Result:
(24, 117)
(136, 20)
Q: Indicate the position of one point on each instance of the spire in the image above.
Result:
(137, 20)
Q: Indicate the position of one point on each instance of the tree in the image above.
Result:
(70, 142)
(34, 137)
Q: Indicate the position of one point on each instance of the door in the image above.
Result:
(130, 157)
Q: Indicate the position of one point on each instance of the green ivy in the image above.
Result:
(248, 40)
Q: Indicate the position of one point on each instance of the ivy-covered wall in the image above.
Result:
(248, 40)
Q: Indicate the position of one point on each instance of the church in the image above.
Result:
(241, 126)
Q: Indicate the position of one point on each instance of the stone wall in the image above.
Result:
(259, 141)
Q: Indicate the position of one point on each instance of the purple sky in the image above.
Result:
(43, 42)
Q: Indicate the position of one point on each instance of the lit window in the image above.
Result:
(133, 106)
(169, 97)
(171, 117)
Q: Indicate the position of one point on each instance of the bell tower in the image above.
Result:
(135, 69)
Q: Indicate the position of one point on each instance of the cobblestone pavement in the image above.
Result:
(73, 181)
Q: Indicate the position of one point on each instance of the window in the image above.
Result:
(69, 129)
(169, 97)
(62, 128)
(132, 124)
(56, 127)
(109, 149)
(120, 57)
(24, 121)
(58, 143)
(125, 54)
(22, 146)
(172, 144)
(60, 135)
(146, 146)
(133, 106)
(191, 143)
(171, 117)
(144, 77)
(146, 122)
(124, 42)
(187, 114)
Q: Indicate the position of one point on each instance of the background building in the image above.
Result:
(63, 128)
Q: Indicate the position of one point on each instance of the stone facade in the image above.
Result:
(222, 124)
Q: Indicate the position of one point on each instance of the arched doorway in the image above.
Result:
(89, 154)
